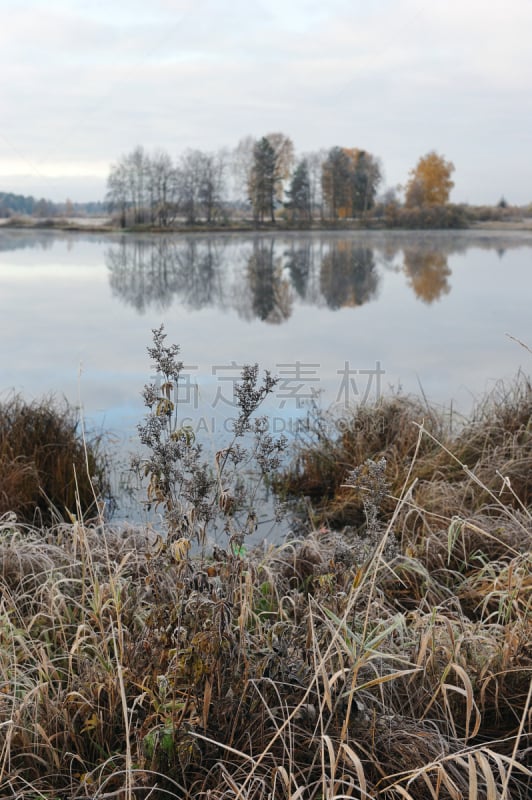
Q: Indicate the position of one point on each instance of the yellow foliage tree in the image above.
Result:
(430, 182)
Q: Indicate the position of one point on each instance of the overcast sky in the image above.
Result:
(84, 82)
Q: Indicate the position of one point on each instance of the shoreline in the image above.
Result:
(78, 226)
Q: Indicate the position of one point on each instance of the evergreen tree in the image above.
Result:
(299, 193)
(262, 183)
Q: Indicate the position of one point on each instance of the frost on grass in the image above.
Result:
(369, 479)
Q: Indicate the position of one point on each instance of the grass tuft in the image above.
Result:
(47, 470)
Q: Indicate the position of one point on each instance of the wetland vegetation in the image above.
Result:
(381, 651)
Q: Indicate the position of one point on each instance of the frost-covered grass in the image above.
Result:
(384, 654)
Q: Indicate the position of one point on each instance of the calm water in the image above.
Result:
(347, 316)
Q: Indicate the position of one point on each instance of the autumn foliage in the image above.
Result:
(430, 181)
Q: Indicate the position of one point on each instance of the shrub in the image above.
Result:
(428, 217)
(497, 213)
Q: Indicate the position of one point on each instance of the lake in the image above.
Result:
(342, 316)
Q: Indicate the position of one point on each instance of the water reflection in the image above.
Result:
(12, 239)
(348, 275)
(327, 298)
(270, 289)
(150, 273)
(261, 276)
(428, 272)
(298, 263)
(43, 239)
(258, 277)
(264, 276)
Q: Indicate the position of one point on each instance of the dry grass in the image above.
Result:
(487, 463)
(47, 471)
(305, 671)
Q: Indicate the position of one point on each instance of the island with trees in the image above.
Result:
(260, 183)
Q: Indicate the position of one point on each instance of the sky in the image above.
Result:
(84, 82)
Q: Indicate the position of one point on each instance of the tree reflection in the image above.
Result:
(148, 273)
(298, 262)
(348, 275)
(152, 272)
(18, 240)
(262, 277)
(198, 273)
(428, 272)
(271, 294)
(141, 273)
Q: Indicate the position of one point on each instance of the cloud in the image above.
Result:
(87, 82)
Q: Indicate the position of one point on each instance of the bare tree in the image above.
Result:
(117, 191)
(315, 161)
(188, 180)
(284, 158)
(142, 188)
(137, 180)
(200, 185)
(212, 184)
(242, 166)
(162, 188)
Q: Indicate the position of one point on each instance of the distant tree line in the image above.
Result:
(263, 181)
(12, 205)
(260, 176)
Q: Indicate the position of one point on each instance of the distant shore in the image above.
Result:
(105, 225)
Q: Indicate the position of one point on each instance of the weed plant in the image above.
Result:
(191, 491)
(387, 659)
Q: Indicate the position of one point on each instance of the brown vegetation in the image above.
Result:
(488, 461)
(47, 471)
(388, 658)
